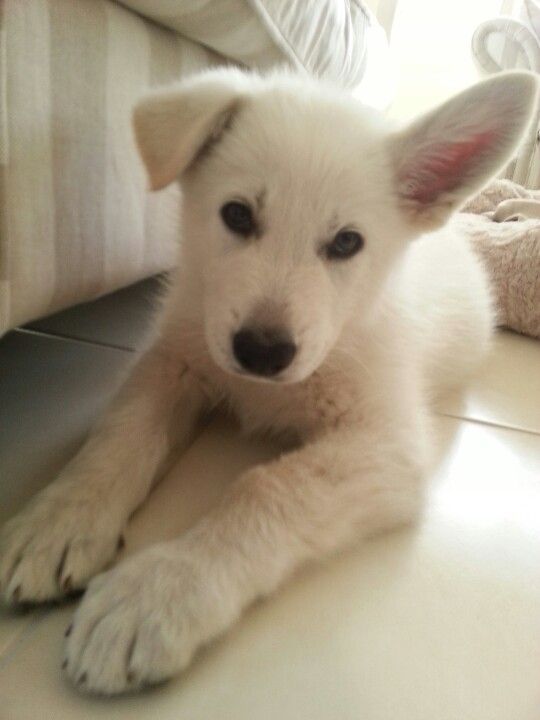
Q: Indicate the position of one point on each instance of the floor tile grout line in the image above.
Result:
(490, 423)
(81, 341)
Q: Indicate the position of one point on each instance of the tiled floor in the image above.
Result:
(441, 622)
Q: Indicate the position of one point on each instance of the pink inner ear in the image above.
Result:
(444, 167)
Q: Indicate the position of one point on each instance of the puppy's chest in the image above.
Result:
(327, 399)
(322, 402)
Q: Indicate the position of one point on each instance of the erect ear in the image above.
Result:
(449, 154)
(172, 125)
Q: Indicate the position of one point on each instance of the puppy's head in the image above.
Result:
(299, 201)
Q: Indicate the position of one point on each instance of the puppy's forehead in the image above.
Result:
(313, 120)
(325, 142)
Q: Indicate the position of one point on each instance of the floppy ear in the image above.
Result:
(449, 154)
(173, 125)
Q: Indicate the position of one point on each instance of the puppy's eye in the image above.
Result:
(346, 244)
(238, 218)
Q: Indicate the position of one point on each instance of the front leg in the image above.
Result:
(73, 527)
(142, 621)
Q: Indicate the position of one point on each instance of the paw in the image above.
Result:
(55, 545)
(141, 622)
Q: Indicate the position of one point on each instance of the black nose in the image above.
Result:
(263, 351)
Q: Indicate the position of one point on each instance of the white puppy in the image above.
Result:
(317, 293)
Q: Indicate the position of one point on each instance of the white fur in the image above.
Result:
(377, 336)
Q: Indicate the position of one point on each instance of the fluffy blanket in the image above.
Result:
(503, 223)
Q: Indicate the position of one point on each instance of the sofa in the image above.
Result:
(76, 221)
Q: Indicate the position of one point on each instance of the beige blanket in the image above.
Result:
(503, 223)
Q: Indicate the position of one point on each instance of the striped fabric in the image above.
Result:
(510, 41)
(75, 218)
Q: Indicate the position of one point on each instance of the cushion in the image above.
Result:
(503, 224)
(327, 38)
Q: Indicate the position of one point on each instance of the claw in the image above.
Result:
(130, 674)
(61, 564)
(67, 584)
